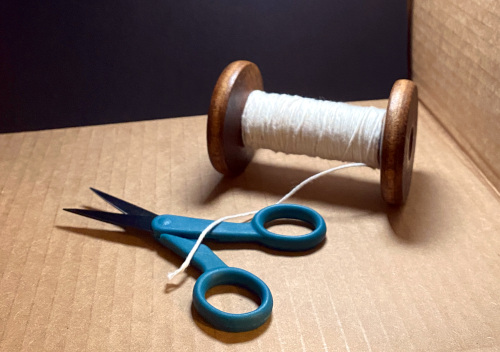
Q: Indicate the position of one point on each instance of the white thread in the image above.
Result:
(326, 129)
(209, 228)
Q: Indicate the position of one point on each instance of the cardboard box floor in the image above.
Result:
(423, 277)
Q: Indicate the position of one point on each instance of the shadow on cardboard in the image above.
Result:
(420, 220)
(410, 223)
(135, 238)
(335, 188)
(229, 337)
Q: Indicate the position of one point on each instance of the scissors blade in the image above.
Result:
(123, 206)
(142, 222)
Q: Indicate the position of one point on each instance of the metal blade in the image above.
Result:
(123, 206)
(142, 222)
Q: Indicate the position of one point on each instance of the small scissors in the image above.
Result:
(179, 234)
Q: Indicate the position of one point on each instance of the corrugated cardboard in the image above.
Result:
(423, 277)
(456, 65)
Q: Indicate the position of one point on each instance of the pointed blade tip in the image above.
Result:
(95, 190)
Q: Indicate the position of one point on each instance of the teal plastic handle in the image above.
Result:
(253, 231)
(230, 321)
(289, 211)
(215, 273)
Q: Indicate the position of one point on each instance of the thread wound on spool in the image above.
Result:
(325, 129)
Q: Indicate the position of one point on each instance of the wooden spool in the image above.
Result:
(230, 156)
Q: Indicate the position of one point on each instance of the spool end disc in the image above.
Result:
(399, 142)
(227, 153)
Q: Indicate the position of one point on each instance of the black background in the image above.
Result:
(69, 63)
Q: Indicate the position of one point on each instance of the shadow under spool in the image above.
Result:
(230, 156)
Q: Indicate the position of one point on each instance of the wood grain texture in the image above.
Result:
(422, 278)
(399, 141)
(456, 65)
(226, 150)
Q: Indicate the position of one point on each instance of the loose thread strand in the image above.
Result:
(212, 225)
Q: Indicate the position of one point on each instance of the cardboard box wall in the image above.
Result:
(456, 64)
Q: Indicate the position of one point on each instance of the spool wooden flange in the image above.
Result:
(229, 155)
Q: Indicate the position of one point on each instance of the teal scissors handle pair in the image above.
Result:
(178, 233)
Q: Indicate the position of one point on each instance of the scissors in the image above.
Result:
(179, 234)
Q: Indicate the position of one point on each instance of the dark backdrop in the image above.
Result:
(69, 63)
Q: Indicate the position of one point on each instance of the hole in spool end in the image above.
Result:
(412, 137)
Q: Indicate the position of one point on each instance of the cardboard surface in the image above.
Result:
(456, 65)
(425, 277)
